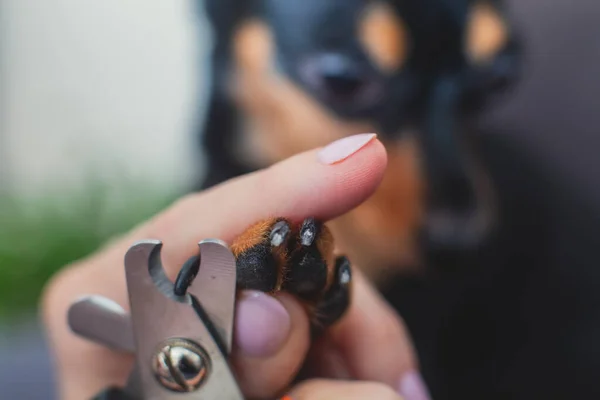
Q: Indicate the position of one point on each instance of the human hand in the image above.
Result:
(271, 335)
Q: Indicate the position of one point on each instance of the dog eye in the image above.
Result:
(486, 33)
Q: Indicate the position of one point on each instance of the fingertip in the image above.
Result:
(322, 389)
(369, 161)
(327, 190)
(341, 149)
(357, 177)
(262, 325)
(412, 387)
(270, 371)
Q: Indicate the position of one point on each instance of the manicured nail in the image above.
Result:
(262, 324)
(412, 387)
(343, 148)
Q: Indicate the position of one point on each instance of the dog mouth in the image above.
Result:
(450, 230)
(460, 212)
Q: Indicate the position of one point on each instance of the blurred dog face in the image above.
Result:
(342, 53)
(310, 72)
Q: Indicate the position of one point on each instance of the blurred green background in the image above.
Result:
(40, 236)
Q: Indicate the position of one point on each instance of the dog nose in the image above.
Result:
(339, 79)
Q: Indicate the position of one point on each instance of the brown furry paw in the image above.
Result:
(275, 255)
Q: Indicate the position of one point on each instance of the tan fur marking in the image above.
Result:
(252, 46)
(254, 235)
(384, 36)
(487, 32)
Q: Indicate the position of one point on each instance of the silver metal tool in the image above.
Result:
(181, 341)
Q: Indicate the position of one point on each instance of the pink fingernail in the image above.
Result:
(343, 148)
(262, 324)
(412, 387)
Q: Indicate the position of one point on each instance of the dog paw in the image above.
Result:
(275, 255)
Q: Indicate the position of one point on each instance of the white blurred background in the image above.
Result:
(111, 88)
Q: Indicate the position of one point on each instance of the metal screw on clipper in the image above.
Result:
(181, 365)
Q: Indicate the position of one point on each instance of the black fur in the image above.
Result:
(257, 269)
(336, 300)
(308, 276)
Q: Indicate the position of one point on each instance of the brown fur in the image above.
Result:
(254, 235)
(486, 34)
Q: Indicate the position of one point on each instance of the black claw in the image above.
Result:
(186, 275)
(309, 231)
(279, 233)
(337, 299)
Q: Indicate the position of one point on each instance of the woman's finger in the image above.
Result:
(370, 343)
(321, 389)
(323, 184)
(265, 373)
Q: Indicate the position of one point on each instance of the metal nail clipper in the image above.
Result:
(180, 332)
